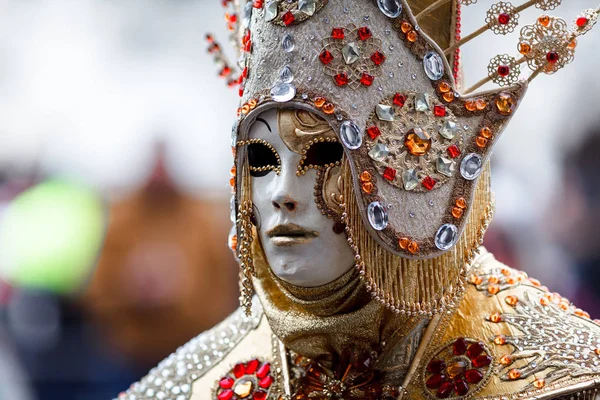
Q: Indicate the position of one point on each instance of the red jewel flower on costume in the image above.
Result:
(458, 369)
(250, 380)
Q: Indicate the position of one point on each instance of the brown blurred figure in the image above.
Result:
(165, 273)
(575, 219)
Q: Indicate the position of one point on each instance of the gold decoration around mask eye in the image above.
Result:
(303, 166)
(276, 168)
(297, 128)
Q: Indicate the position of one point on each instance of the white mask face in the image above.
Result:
(298, 240)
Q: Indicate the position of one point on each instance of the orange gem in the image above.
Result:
(461, 202)
(328, 108)
(493, 279)
(535, 282)
(493, 289)
(486, 132)
(232, 171)
(544, 301)
(524, 48)
(544, 20)
(506, 359)
(564, 305)
(514, 374)
(580, 313)
(411, 36)
(539, 383)
(500, 340)
(405, 27)
(444, 87)
(245, 109)
(505, 103)
(475, 279)
(233, 241)
(470, 105)
(457, 212)
(597, 351)
(481, 141)
(512, 300)
(448, 96)
(365, 176)
(404, 242)
(510, 280)
(417, 142)
(232, 181)
(367, 187)
(413, 247)
(505, 272)
(252, 103)
(481, 104)
(319, 101)
(572, 45)
(495, 317)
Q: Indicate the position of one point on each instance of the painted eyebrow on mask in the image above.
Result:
(266, 123)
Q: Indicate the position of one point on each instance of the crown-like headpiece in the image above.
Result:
(415, 142)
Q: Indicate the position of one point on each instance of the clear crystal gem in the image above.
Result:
(378, 217)
(287, 43)
(308, 7)
(449, 129)
(271, 10)
(422, 102)
(232, 209)
(390, 8)
(351, 53)
(445, 166)
(247, 14)
(379, 152)
(471, 166)
(283, 92)
(350, 135)
(384, 113)
(286, 75)
(446, 236)
(410, 179)
(433, 65)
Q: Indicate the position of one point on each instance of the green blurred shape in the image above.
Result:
(50, 237)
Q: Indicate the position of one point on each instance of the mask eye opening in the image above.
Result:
(261, 156)
(320, 154)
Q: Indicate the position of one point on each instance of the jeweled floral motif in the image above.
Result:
(293, 12)
(585, 22)
(414, 140)
(504, 70)
(459, 369)
(496, 280)
(545, 44)
(502, 18)
(250, 380)
(352, 56)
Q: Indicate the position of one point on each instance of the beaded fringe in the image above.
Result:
(417, 287)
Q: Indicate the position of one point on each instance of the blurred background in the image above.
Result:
(113, 118)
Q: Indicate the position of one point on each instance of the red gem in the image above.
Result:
(482, 361)
(252, 366)
(288, 18)
(435, 381)
(337, 33)
(239, 370)
(263, 370)
(428, 183)
(378, 58)
(225, 395)
(439, 111)
(226, 383)
(453, 151)
(552, 57)
(473, 376)
(461, 387)
(326, 57)
(266, 382)
(389, 173)
(436, 366)
(259, 395)
(445, 390)
(460, 344)
(373, 132)
(581, 22)
(503, 70)
(341, 79)
(367, 79)
(364, 33)
(399, 100)
(245, 73)
(225, 71)
(503, 18)
(474, 350)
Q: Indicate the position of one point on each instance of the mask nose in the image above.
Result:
(284, 202)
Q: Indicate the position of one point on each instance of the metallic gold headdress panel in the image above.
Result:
(416, 145)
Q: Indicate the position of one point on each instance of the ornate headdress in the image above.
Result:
(385, 75)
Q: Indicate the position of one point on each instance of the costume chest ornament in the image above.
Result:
(250, 380)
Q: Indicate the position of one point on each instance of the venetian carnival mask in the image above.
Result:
(411, 190)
